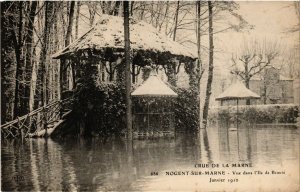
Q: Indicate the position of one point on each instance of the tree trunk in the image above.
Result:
(115, 11)
(164, 18)
(77, 19)
(56, 42)
(8, 64)
(45, 42)
(176, 21)
(92, 12)
(127, 70)
(131, 7)
(198, 4)
(29, 56)
(264, 94)
(142, 10)
(210, 65)
(62, 77)
(70, 25)
(133, 73)
(170, 71)
(247, 82)
(17, 46)
(68, 41)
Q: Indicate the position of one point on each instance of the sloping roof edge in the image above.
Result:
(107, 33)
(153, 87)
(237, 91)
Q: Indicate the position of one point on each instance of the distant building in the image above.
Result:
(273, 87)
(296, 85)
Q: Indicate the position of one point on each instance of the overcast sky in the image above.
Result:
(270, 19)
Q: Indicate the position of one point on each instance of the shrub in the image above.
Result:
(186, 110)
(278, 113)
(101, 108)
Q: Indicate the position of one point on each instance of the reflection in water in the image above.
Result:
(91, 164)
(237, 145)
(204, 142)
(43, 166)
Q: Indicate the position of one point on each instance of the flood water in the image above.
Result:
(154, 165)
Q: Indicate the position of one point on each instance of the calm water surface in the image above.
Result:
(92, 165)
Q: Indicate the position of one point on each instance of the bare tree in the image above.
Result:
(17, 39)
(29, 54)
(127, 70)
(45, 43)
(210, 65)
(254, 57)
(70, 25)
(8, 60)
(290, 63)
(115, 10)
(176, 21)
(199, 69)
(296, 28)
(77, 18)
(92, 6)
(68, 38)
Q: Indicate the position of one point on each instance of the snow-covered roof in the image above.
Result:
(237, 91)
(152, 87)
(109, 33)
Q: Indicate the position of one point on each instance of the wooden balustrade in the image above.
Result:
(40, 119)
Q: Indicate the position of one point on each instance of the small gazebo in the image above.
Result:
(153, 114)
(237, 91)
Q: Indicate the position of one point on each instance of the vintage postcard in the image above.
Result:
(150, 96)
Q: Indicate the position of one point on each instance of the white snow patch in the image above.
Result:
(153, 86)
(109, 32)
(237, 91)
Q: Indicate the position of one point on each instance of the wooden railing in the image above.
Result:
(42, 118)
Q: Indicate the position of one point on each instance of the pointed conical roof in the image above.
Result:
(237, 91)
(154, 87)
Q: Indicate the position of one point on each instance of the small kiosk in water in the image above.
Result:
(153, 114)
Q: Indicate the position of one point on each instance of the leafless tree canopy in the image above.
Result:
(254, 57)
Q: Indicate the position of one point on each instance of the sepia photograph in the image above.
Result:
(150, 96)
